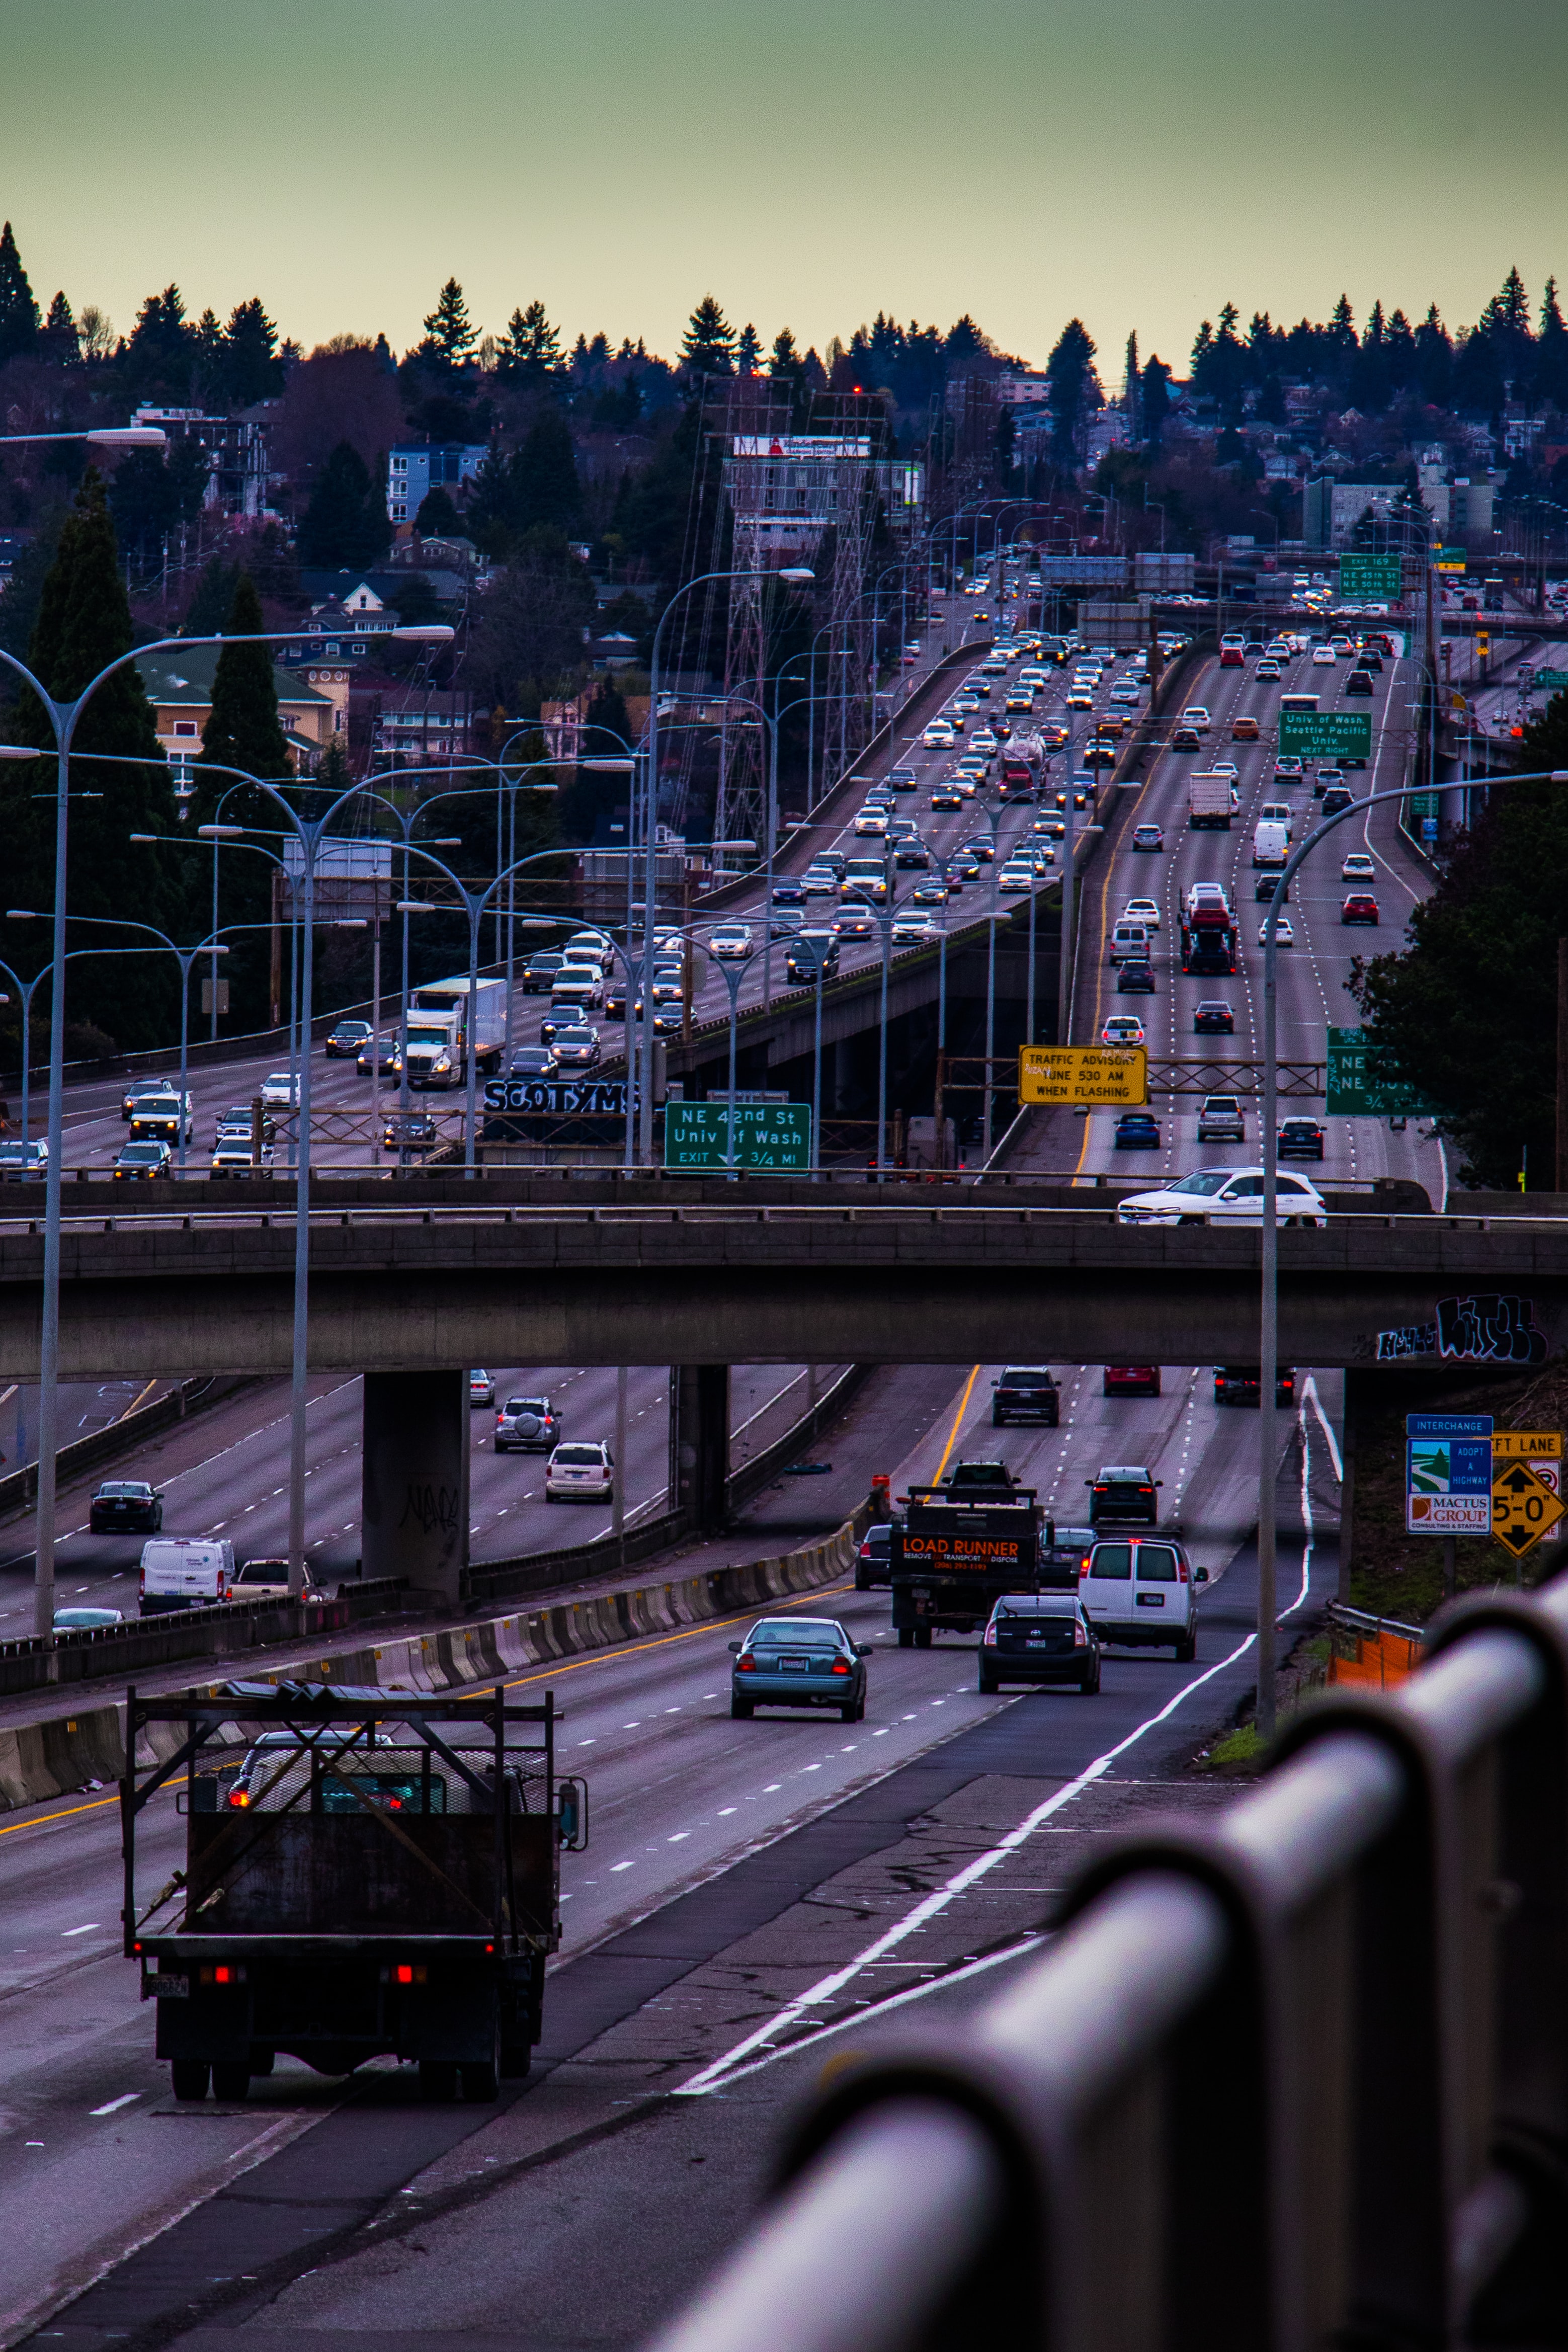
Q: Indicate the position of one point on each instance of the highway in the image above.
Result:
(1313, 971)
(687, 1807)
(742, 1880)
(225, 1471)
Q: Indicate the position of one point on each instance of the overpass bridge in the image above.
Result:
(409, 1292)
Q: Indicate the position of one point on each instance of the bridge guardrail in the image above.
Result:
(1295, 2079)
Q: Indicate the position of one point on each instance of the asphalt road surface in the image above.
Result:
(706, 1833)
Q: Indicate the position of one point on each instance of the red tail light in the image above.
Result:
(1181, 1572)
(841, 1666)
(988, 1639)
(746, 1666)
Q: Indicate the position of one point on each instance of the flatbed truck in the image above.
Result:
(367, 1873)
(956, 1550)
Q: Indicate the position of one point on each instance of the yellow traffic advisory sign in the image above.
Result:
(1116, 1075)
(1527, 1477)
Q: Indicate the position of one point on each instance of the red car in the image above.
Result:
(1132, 1380)
(1361, 907)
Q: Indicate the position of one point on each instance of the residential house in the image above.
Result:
(179, 685)
(415, 467)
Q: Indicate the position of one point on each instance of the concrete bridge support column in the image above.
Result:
(415, 1508)
(699, 1442)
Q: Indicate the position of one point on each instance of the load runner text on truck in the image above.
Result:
(955, 1549)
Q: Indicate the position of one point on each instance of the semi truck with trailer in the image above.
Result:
(443, 1029)
(367, 1873)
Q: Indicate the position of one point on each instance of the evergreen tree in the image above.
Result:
(161, 332)
(1130, 389)
(1551, 351)
(529, 352)
(84, 624)
(449, 333)
(210, 607)
(346, 520)
(438, 517)
(1155, 400)
(707, 348)
(61, 342)
(786, 363)
(747, 351)
(243, 731)
(251, 368)
(1073, 389)
(1342, 327)
(1434, 360)
(547, 489)
(18, 312)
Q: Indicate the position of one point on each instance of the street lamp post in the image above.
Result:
(64, 715)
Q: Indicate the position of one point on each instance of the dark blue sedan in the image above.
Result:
(1137, 1130)
(799, 1661)
(789, 893)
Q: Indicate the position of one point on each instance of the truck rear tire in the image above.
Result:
(189, 2077)
(923, 1637)
(516, 2058)
(479, 2082)
(231, 2082)
(437, 2080)
(907, 1637)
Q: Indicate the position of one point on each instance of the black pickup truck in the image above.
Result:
(367, 1873)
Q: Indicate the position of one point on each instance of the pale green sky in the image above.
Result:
(1134, 162)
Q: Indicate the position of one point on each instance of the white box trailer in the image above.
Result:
(444, 1062)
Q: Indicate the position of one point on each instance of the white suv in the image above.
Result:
(578, 1473)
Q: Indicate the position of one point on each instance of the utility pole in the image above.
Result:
(1561, 1170)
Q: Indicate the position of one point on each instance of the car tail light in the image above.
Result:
(404, 1974)
(988, 1639)
(746, 1666)
(1102, 1490)
(1181, 1572)
(1085, 1563)
(841, 1666)
(1079, 1638)
(1145, 1490)
(239, 1799)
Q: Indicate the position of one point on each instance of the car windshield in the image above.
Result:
(126, 1489)
(527, 1404)
(775, 1633)
(580, 1457)
(1016, 1379)
(1040, 1605)
(141, 1154)
(1206, 1182)
(262, 1571)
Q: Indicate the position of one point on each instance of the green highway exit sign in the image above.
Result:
(1377, 576)
(1326, 734)
(1353, 1092)
(766, 1135)
(1550, 682)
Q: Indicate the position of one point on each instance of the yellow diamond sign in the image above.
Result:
(1116, 1075)
(1523, 1507)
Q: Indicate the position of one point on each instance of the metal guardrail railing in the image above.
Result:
(1297, 2079)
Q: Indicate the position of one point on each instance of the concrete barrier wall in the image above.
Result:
(122, 1436)
(45, 1760)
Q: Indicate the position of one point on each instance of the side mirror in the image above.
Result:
(734, 1649)
(1200, 1576)
(1159, 1482)
(1089, 1482)
(863, 1649)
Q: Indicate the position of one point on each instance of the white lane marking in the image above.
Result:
(931, 1906)
(112, 2106)
(678, 1837)
(1310, 1389)
(82, 1931)
(724, 1810)
(875, 2009)
(622, 1866)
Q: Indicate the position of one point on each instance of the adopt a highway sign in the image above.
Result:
(1114, 1076)
(1448, 1474)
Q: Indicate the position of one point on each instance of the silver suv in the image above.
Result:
(1220, 1120)
(527, 1425)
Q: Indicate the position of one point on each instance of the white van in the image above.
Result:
(1270, 844)
(1279, 812)
(185, 1572)
(1142, 1591)
(1130, 943)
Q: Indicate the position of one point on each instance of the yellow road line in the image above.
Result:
(41, 1820)
(957, 1425)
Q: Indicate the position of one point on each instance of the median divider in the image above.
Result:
(41, 1761)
